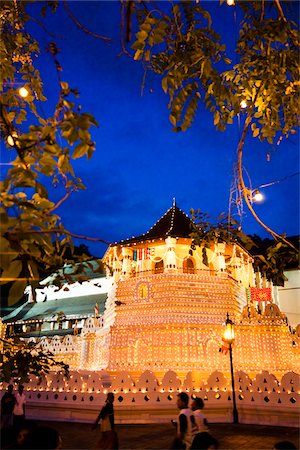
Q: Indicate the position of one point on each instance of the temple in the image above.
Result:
(158, 307)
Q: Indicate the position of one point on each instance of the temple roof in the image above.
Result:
(85, 270)
(174, 223)
(72, 307)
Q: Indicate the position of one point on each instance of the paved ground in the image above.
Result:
(78, 436)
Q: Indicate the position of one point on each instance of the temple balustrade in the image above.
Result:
(148, 398)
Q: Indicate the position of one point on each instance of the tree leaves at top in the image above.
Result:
(32, 237)
(180, 44)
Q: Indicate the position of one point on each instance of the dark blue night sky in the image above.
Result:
(140, 164)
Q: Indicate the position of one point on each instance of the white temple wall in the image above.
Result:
(263, 399)
(289, 296)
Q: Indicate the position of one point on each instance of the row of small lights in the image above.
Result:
(130, 387)
(162, 391)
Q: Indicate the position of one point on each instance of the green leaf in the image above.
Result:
(13, 271)
(216, 117)
(164, 84)
(64, 85)
(16, 292)
(173, 119)
(141, 35)
(80, 150)
(138, 55)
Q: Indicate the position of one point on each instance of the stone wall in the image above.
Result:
(263, 399)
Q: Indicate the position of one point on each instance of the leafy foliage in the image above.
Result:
(20, 360)
(180, 43)
(206, 232)
(33, 239)
(75, 273)
(175, 40)
(270, 258)
(273, 258)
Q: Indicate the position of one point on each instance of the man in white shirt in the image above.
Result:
(184, 422)
(200, 419)
(19, 409)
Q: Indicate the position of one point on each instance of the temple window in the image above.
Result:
(159, 267)
(143, 290)
(188, 266)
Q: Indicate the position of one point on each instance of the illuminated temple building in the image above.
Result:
(160, 308)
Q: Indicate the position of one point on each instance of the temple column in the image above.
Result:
(263, 281)
(220, 264)
(251, 273)
(171, 255)
(236, 268)
(126, 262)
(257, 279)
(116, 269)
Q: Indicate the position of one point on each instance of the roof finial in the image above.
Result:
(174, 201)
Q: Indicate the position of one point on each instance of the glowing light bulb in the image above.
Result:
(10, 139)
(230, 2)
(258, 197)
(243, 104)
(23, 92)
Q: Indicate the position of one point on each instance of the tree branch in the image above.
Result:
(45, 29)
(85, 30)
(60, 202)
(244, 189)
(57, 231)
(279, 9)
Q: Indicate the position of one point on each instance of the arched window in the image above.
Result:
(159, 266)
(188, 266)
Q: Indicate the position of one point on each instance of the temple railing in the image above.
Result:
(178, 270)
(261, 400)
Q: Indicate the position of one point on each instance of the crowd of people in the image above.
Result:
(192, 429)
(18, 433)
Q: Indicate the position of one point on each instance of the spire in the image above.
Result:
(174, 223)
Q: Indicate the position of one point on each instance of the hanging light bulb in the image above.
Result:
(230, 2)
(243, 104)
(11, 139)
(23, 92)
(258, 197)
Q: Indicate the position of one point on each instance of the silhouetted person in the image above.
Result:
(200, 419)
(184, 423)
(43, 437)
(7, 406)
(18, 438)
(204, 441)
(109, 437)
(19, 408)
(284, 445)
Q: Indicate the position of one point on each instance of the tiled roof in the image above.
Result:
(174, 223)
(74, 307)
(87, 270)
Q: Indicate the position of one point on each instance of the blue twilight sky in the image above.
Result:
(140, 164)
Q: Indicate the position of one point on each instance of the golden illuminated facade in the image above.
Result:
(161, 308)
(152, 327)
(169, 307)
